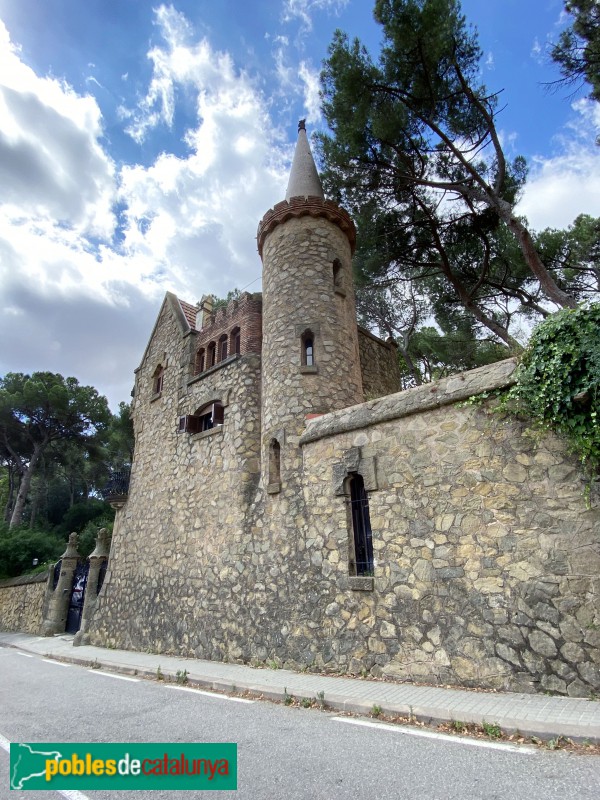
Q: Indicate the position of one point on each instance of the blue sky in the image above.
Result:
(141, 143)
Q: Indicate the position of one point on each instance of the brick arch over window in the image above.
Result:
(223, 347)
(200, 362)
(211, 355)
(235, 341)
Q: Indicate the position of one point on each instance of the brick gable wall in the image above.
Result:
(245, 313)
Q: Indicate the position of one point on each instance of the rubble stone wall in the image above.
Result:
(185, 512)
(22, 603)
(487, 559)
(378, 365)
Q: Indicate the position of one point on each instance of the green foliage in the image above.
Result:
(416, 155)
(222, 302)
(578, 49)
(77, 517)
(45, 416)
(20, 546)
(87, 537)
(558, 381)
(120, 438)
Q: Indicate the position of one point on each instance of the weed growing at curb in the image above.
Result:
(181, 676)
(492, 730)
(287, 698)
(376, 711)
(159, 674)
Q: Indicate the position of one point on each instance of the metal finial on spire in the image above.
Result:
(301, 125)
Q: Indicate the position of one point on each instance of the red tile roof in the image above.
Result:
(190, 313)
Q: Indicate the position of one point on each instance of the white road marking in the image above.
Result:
(112, 675)
(68, 794)
(211, 694)
(409, 731)
(58, 663)
(25, 655)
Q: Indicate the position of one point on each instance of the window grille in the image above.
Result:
(361, 526)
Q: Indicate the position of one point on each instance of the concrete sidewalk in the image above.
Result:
(538, 715)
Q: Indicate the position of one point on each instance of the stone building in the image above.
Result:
(288, 504)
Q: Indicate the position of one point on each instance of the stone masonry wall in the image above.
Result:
(378, 365)
(22, 603)
(487, 560)
(184, 516)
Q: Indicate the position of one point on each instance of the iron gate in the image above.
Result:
(77, 597)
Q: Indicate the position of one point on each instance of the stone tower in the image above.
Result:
(310, 356)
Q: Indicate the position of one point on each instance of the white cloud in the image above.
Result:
(567, 184)
(51, 163)
(305, 9)
(537, 52)
(74, 301)
(312, 101)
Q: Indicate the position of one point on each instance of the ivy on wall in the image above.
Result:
(558, 381)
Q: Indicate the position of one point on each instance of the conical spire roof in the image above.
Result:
(304, 179)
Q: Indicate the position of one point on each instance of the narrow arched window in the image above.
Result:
(223, 347)
(211, 355)
(235, 341)
(200, 361)
(308, 349)
(157, 379)
(361, 560)
(337, 273)
(274, 462)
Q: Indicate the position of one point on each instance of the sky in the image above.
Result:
(141, 143)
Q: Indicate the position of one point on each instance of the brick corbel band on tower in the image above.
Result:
(306, 207)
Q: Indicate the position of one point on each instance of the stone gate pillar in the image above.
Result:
(98, 559)
(56, 621)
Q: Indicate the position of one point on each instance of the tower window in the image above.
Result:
(308, 349)
(274, 461)
(223, 347)
(337, 273)
(236, 341)
(361, 559)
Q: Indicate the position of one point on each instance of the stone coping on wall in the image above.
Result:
(412, 401)
(23, 580)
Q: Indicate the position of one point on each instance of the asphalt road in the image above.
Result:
(292, 753)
